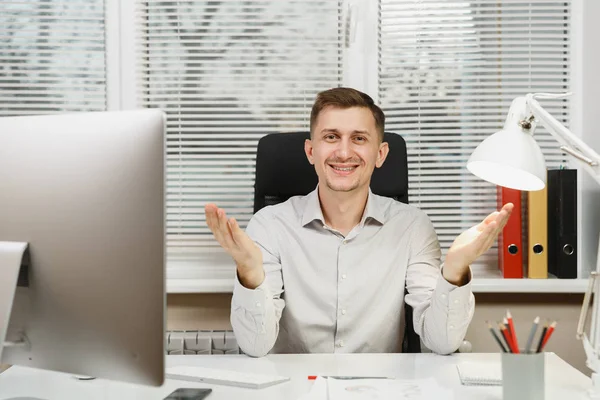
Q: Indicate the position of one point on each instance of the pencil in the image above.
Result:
(539, 346)
(512, 341)
(513, 334)
(506, 335)
(536, 322)
(548, 334)
(495, 335)
(503, 339)
(505, 323)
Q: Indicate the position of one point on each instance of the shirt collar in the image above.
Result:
(312, 209)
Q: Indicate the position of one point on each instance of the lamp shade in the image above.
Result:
(510, 158)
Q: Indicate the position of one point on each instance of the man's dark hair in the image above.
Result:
(346, 98)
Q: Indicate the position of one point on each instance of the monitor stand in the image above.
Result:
(14, 271)
(13, 255)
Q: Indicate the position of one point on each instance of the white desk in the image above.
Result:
(562, 380)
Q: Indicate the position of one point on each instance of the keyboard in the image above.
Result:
(223, 377)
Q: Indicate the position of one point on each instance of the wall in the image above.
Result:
(198, 311)
(590, 93)
(211, 311)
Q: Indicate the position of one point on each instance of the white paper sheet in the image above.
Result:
(377, 389)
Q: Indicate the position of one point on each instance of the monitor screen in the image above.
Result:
(86, 193)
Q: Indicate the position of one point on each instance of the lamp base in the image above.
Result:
(593, 363)
(594, 392)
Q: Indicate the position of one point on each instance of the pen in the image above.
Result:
(313, 377)
(513, 334)
(496, 337)
(548, 334)
(509, 336)
(509, 342)
(505, 323)
(536, 321)
(542, 336)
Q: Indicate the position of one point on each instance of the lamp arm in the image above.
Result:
(590, 161)
(586, 304)
(571, 144)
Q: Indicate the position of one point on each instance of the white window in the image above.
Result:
(227, 73)
(52, 56)
(448, 72)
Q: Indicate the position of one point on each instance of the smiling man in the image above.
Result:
(326, 272)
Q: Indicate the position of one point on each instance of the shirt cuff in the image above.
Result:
(253, 300)
(455, 295)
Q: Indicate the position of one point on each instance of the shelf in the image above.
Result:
(492, 282)
(199, 285)
(483, 282)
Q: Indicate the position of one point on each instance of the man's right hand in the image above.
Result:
(238, 244)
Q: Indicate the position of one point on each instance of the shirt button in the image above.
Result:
(341, 343)
(455, 301)
(343, 276)
(443, 295)
(343, 312)
(451, 326)
(258, 304)
(344, 241)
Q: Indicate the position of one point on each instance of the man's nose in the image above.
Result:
(344, 149)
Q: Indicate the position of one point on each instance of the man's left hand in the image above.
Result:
(472, 243)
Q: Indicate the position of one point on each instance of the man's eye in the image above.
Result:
(330, 137)
(359, 138)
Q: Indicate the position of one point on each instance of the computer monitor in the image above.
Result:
(86, 192)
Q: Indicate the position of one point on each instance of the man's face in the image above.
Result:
(345, 148)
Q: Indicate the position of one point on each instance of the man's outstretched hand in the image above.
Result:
(472, 243)
(238, 244)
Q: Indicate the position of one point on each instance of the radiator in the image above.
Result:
(201, 342)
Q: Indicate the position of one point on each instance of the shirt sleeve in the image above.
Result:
(441, 311)
(255, 313)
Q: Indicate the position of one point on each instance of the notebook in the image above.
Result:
(480, 374)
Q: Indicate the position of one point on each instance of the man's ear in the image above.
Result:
(384, 149)
(308, 149)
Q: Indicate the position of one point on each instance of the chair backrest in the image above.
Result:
(283, 171)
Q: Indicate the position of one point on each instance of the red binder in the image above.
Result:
(510, 241)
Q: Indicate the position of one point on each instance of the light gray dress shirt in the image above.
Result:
(326, 293)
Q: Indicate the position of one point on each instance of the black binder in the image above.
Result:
(562, 223)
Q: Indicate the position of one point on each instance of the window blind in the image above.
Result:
(448, 73)
(227, 73)
(52, 56)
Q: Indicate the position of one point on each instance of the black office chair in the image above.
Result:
(282, 171)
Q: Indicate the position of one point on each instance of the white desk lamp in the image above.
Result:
(512, 158)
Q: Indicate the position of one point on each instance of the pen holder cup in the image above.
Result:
(523, 376)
